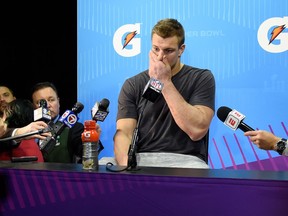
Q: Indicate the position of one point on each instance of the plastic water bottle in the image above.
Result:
(90, 142)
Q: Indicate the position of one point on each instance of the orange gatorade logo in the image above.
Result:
(275, 32)
(128, 38)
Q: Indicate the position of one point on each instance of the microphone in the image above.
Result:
(69, 119)
(42, 113)
(233, 119)
(21, 136)
(152, 90)
(100, 110)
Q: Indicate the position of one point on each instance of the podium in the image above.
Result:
(33, 188)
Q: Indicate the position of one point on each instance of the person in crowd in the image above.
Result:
(19, 113)
(6, 96)
(68, 148)
(3, 127)
(173, 127)
(268, 141)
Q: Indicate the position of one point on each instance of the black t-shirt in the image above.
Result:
(158, 132)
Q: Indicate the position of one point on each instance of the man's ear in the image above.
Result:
(181, 49)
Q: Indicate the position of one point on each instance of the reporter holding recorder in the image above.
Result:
(263, 139)
(19, 113)
(6, 96)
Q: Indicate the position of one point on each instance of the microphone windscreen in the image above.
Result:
(43, 103)
(78, 107)
(223, 112)
(104, 103)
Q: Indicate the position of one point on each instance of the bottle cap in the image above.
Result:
(90, 124)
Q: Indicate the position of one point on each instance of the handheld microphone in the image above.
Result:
(233, 119)
(69, 119)
(22, 136)
(42, 113)
(152, 90)
(100, 110)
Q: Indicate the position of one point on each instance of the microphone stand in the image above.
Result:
(132, 159)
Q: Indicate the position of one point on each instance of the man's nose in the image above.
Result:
(160, 55)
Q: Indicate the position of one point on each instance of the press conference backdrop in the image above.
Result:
(244, 43)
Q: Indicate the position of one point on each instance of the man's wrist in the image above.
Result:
(285, 152)
(281, 147)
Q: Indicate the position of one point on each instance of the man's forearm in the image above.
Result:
(121, 148)
(8, 132)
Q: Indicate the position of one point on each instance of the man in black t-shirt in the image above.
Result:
(173, 129)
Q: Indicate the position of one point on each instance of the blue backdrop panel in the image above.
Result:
(231, 38)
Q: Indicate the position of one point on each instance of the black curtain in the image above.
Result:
(38, 43)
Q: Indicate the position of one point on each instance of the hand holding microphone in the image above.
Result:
(39, 126)
(68, 119)
(263, 139)
(38, 129)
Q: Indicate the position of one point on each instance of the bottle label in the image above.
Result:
(90, 136)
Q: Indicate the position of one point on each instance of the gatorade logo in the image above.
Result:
(87, 134)
(125, 41)
(273, 36)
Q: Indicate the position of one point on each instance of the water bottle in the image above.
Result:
(90, 142)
